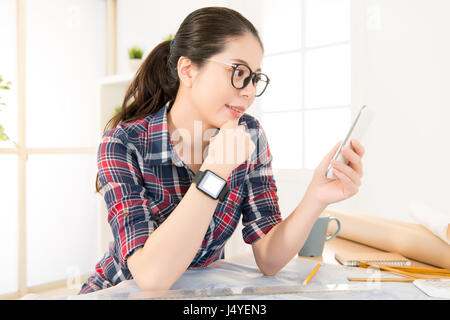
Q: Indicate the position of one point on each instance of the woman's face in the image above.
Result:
(212, 91)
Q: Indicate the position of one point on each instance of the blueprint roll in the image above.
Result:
(408, 239)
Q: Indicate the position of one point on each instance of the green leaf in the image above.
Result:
(169, 37)
(3, 136)
(117, 109)
(135, 53)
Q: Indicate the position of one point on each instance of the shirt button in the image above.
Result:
(126, 212)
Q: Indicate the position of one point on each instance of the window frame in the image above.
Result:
(295, 174)
(22, 151)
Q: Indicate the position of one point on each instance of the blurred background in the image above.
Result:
(65, 65)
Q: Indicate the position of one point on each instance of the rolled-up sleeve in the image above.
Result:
(129, 206)
(260, 211)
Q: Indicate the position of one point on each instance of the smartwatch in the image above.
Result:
(211, 184)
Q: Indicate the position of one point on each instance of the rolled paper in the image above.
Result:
(411, 240)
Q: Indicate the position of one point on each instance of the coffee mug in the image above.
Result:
(313, 246)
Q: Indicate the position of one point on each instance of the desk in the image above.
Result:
(215, 281)
(226, 278)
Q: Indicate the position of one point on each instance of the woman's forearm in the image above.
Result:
(286, 239)
(169, 250)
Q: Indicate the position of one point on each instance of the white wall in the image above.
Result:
(146, 23)
(406, 79)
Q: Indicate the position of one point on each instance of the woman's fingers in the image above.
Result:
(323, 165)
(354, 160)
(348, 171)
(358, 147)
(353, 171)
(349, 188)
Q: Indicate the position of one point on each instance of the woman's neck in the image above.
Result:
(187, 131)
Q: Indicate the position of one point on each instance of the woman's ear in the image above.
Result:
(187, 71)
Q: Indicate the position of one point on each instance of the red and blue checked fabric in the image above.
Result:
(143, 180)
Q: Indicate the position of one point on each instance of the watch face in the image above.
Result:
(212, 184)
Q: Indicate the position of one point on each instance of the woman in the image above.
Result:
(173, 207)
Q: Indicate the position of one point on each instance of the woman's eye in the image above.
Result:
(239, 73)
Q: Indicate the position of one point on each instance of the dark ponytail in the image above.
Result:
(202, 34)
(149, 90)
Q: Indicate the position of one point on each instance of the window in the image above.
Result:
(307, 57)
(8, 159)
(61, 49)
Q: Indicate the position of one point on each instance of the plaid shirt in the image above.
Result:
(143, 179)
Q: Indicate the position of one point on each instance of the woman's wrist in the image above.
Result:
(313, 201)
(223, 171)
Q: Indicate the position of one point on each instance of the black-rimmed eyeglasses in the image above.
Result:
(241, 75)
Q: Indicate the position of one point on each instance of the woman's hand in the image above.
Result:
(229, 148)
(327, 191)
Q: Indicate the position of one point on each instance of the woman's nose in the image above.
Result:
(249, 90)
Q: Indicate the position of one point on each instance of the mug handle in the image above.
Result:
(337, 230)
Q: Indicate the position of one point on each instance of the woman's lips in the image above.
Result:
(236, 108)
(235, 111)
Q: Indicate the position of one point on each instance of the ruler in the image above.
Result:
(241, 291)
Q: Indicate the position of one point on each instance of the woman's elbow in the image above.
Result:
(266, 268)
(268, 272)
(149, 281)
(149, 284)
(148, 276)
(145, 279)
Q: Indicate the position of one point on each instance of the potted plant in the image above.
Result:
(117, 110)
(3, 135)
(169, 37)
(135, 58)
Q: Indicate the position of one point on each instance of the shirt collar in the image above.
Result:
(161, 148)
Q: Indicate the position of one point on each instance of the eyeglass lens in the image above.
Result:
(241, 77)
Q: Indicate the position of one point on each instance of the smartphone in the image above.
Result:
(356, 131)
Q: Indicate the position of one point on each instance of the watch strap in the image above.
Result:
(224, 193)
(199, 176)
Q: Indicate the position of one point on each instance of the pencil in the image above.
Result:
(403, 273)
(382, 279)
(312, 274)
(431, 271)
